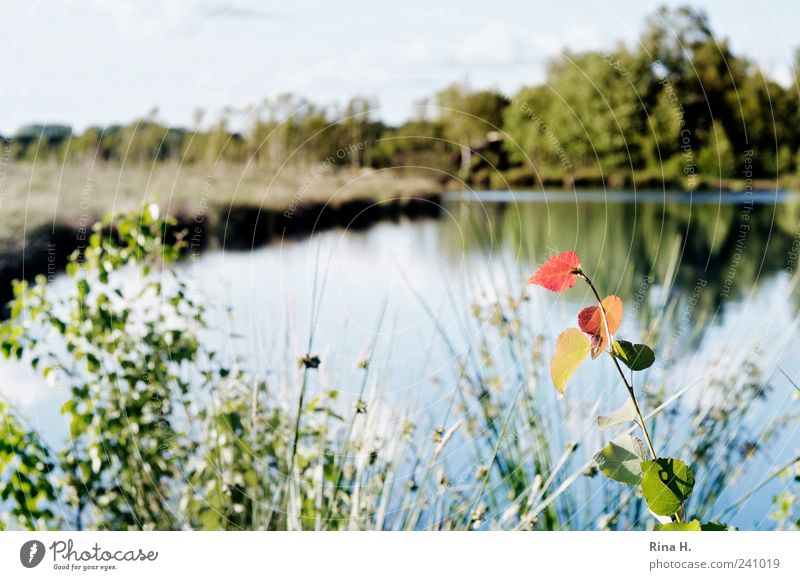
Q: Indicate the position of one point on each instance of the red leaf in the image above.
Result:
(558, 273)
(591, 322)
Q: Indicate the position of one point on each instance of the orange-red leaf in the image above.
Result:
(572, 347)
(591, 322)
(558, 273)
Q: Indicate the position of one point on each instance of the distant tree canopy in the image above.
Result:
(676, 104)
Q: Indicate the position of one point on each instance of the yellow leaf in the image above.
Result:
(572, 347)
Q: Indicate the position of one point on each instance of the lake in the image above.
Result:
(709, 281)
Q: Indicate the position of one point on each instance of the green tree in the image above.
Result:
(468, 117)
(716, 158)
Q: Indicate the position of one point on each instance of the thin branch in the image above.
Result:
(676, 516)
(616, 363)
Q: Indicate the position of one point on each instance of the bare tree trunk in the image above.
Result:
(466, 159)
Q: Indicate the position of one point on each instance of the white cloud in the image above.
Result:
(92, 61)
(496, 41)
(138, 21)
(577, 37)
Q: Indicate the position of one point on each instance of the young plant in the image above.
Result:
(665, 483)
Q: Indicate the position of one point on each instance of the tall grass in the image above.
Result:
(287, 450)
(36, 195)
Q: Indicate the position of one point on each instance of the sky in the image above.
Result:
(98, 62)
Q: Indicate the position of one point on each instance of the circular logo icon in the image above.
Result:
(31, 553)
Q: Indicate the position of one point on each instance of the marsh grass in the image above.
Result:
(287, 450)
(37, 195)
(502, 460)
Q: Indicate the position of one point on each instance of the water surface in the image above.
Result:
(708, 280)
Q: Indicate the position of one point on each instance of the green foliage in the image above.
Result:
(691, 526)
(120, 347)
(680, 104)
(666, 484)
(621, 459)
(468, 117)
(786, 507)
(25, 476)
(636, 357)
(717, 527)
(231, 462)
(717, 157)
(163, 434)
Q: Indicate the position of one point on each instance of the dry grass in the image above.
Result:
(32, 196)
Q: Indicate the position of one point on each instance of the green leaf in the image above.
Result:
(92, 363)
(210, 520)
(621, 459)
(636, 357)
(718, 527)
(692, 526)
(625, 413)
(666, 484)
(572, 347)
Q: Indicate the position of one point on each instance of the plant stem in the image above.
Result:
(628, 386)
(676, 517)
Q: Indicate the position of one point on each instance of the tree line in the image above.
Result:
(677, 105)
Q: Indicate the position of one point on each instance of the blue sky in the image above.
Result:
(87, 62)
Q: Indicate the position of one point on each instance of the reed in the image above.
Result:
(225, 446)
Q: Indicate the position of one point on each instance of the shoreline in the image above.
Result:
(239, 208)
(46, 248)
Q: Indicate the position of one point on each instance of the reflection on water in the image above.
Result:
(711, 285)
